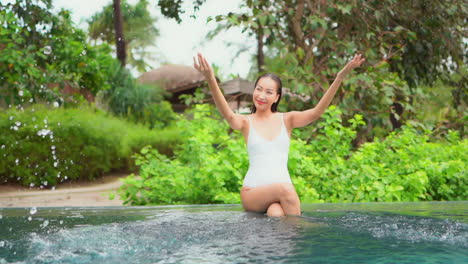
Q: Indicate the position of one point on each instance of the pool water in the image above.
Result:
(435, 232)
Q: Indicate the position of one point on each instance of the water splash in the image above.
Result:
(47, 50)
(33, 210)
(219, 234)
(45, 223)
(43, 132)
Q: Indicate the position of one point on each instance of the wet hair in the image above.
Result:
(279, 84)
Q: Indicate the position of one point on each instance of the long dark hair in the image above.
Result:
(274, 77)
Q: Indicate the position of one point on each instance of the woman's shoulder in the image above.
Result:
(288, 116)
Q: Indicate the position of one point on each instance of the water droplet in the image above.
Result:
(43, 132)
(47, 50)
(33, 210)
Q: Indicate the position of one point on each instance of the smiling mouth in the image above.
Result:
(260, 102)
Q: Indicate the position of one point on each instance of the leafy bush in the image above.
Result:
(40, 146)
(209, 167)
(138, 102)
(40, 50)
(210, 164)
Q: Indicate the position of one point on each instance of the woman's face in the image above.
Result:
(265, 93)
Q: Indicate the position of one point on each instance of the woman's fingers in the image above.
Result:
(195, 63)
(204, 62)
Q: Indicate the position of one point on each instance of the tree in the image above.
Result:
(41, 52)
(139, 30)
(119, 36)
(405, 42)
(173, 8)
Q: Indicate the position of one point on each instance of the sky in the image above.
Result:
(178, 43)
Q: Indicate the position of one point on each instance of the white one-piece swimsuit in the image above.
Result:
(268, 159)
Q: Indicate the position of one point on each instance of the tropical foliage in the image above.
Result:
(42, 52)
(209, 165)
(406, 43)
(42, 147)
(139, 30)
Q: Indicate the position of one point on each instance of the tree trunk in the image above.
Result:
(119, 36)
(260, 55)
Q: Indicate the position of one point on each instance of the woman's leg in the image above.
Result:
(258, 199)
(275, 210)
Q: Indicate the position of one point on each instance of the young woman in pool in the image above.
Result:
(267, 186)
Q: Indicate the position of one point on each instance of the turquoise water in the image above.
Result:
(326, 233)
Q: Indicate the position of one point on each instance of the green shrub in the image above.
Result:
(41, 49)
(41, 146)
(137, 102)
(210, 165)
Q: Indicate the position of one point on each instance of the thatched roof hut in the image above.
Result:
(238, 93)
(176, 79)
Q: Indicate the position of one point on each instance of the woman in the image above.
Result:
(267, 186)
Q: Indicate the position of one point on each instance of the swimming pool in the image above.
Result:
(425, 232)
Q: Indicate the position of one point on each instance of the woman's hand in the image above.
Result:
(354, 63)
(202, 65)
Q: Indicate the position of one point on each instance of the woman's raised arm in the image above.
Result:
(303, 118)
(236, 121)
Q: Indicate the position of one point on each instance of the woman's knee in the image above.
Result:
(287, 191)
(275, 210)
